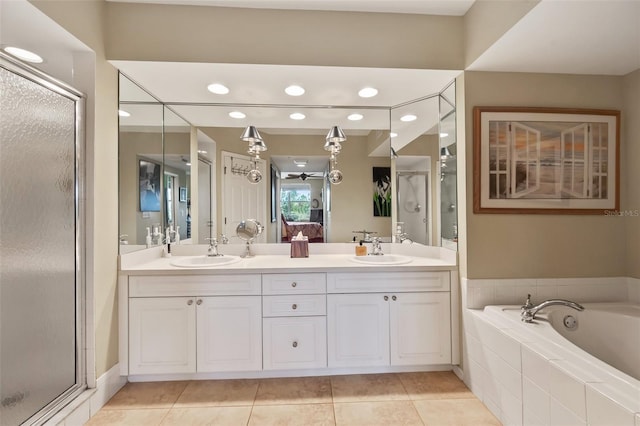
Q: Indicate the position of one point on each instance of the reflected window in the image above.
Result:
(295, 202)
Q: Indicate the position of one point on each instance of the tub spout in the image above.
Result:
(528, 311)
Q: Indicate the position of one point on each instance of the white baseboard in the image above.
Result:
(88, 403)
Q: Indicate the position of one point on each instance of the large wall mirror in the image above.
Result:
(196, 168)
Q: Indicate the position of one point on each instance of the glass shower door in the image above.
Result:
(40, 281)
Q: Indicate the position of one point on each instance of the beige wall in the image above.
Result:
(85, 20)
(539, 246)
(228, 35)
(631, 170)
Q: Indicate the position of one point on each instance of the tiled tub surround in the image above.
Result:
(529, 374)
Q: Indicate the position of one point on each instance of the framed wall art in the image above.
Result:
(545, 160)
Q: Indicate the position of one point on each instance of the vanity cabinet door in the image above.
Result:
(229, 333)
(420, 328)
(357, 330)
(162, 335)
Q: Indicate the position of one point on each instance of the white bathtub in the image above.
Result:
(587, 375)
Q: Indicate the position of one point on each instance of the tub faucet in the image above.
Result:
(528, 311)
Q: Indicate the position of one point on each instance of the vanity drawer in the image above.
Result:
(294, 343)
(194, 285)
(294, 305)
(294, 283)
(369, 282)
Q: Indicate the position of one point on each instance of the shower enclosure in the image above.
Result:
(414, 210)
(41, 244)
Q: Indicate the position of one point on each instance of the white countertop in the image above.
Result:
(274, 258)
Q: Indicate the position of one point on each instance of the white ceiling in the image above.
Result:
(599, 37)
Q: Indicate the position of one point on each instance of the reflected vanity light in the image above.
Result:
(334, 137)
(445, 153)
(256, 146)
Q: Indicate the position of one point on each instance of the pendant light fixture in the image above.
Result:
(333, 144)
(256, 146)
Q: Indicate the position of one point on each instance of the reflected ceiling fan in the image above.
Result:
(302, 176)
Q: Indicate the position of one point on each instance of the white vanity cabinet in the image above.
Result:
(294, 321)
(381, 319)
(189, 324)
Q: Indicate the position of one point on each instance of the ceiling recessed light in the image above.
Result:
(300, 163)
(294, 90)
(393, 135)
(202, 151)
(297, 116)
(355, 117)
(444, 135)
(23, 54)
(237, 114)
(123, 113)
(408, 117)
(218, 89)
(368, 92)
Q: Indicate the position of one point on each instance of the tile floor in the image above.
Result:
(433, 398)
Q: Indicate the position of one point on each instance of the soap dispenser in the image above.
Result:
(148, 238)
(361, 250)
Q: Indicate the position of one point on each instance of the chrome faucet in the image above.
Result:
(212, 251)
(376, 247)
(528, 311)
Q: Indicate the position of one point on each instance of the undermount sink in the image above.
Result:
(204, 261)
(385, 259)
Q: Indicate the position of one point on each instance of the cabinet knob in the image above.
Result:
(293, 284)
(199, 302)
(294, 306)
(190, 302)
(393, 298)
(386, 298)
(295, 344)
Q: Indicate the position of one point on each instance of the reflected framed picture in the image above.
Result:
(182, 196)
(149, 173)
(545, 160)
(381, 191)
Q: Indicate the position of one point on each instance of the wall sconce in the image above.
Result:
(256, 146)
(333, 145)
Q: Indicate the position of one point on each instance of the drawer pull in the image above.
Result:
(294, 306)
(295, 344)
(393, 298)
(190, 302)
(293, 284)
(386, 298)
(199, 302)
